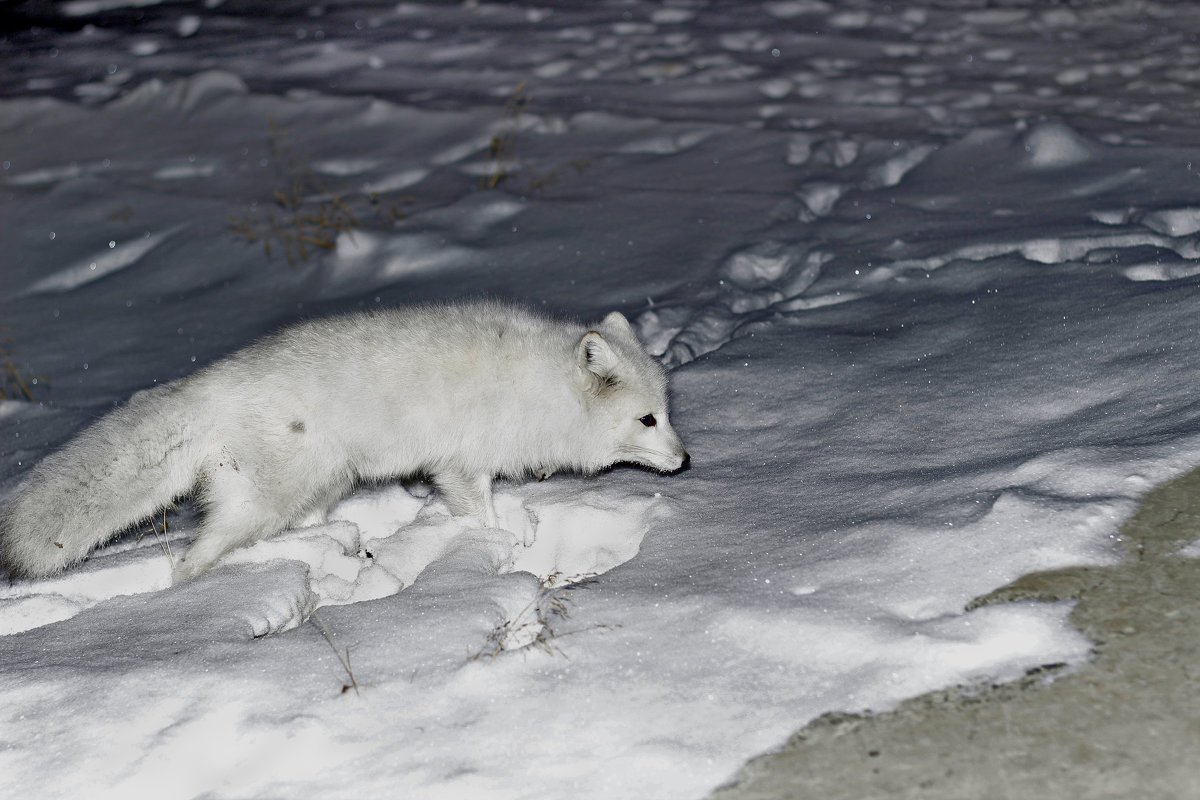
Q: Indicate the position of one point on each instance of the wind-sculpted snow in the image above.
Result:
(118, 256)
(376, 544)
(926, 278)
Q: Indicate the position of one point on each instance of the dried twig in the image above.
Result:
(343, 655)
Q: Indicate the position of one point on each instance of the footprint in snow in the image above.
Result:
(755, 283)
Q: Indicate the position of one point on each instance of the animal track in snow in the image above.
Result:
(1058, 250)
(844, 185)
(756, 281)
(774, 274)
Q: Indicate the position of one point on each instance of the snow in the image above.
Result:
(925, 277)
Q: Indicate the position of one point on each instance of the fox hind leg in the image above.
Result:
(235, 515)
(468, 496)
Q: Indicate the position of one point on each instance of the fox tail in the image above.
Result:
(127, 465)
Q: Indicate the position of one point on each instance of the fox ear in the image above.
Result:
(596, 356)
(616, 321)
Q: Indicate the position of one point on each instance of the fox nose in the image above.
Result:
(686, 463)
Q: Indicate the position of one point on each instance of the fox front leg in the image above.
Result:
(468, 496)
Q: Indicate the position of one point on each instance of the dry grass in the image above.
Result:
(501, 156)
(15, 383)
(343, 654)
(305, 214)
(503, 162)
(161, 536)
(534, 627)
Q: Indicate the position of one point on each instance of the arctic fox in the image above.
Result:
(275, 433)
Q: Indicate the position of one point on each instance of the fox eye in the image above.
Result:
(649, 421)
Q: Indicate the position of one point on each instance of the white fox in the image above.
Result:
(275, 433)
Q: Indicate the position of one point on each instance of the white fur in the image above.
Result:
(277, 432)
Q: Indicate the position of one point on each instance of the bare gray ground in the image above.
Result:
(1126, 725)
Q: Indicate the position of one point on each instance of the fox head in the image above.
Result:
(626, 395)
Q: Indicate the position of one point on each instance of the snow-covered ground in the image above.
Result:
(926, 277)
